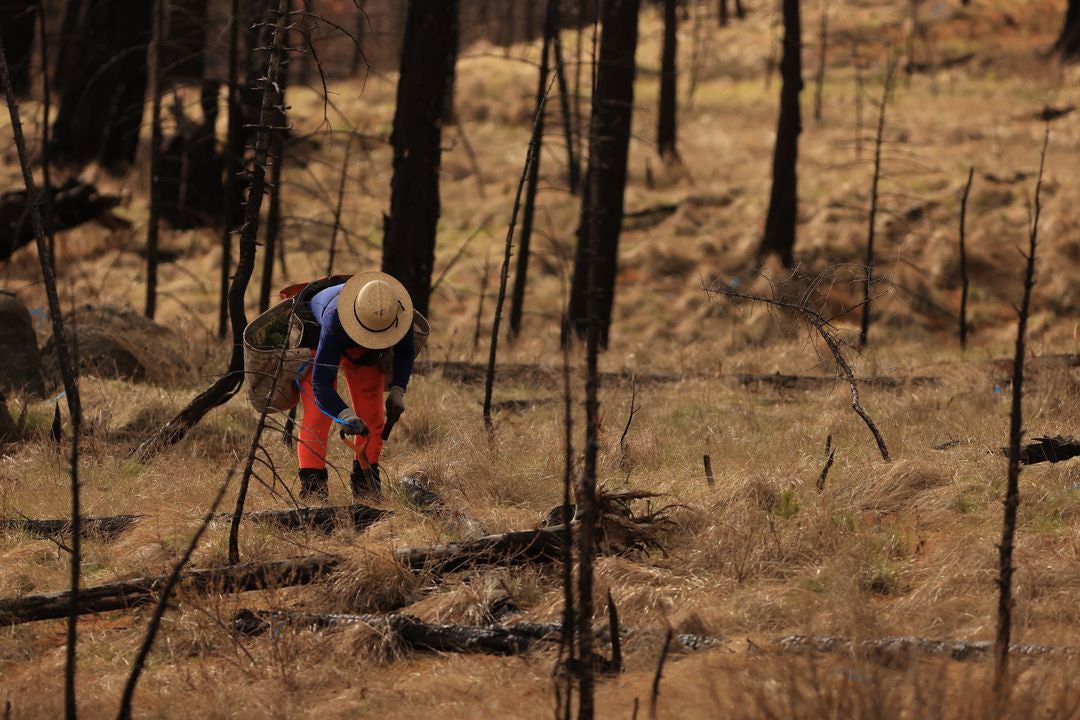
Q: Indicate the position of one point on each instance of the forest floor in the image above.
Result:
(907, 547)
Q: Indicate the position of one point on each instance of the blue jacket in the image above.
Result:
(334, 342)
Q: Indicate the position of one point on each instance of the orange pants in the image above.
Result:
(366, 385)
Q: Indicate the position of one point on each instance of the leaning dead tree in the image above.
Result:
(779, 237)
(828, 334)
(68, 373)
(1016, 431)
(230, 382)
(879, 137)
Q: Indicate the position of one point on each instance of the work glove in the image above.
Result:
(351, 424)
(395, 405)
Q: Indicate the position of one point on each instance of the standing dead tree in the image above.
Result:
(666, 129)
(573, 167)
(828, 334)
(162, 605)
(605, 180)
(67, 373)
(779, 237)
(964, 281)
(517, 297)
(428, 56)
(531, 158)
(340, 205)
(823, 48)
(1016, 431)
(229, 383)
(157, 58)
(868, 284)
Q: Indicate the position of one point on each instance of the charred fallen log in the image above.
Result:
(891, 647)
(511, 548)
(140, 591)
(73, 203)
(324, 518)
(1049, 449)
(510, 639)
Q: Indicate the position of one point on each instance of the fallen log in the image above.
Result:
(813, 382)
(473, 373)
(506, 549)
(140, 591)
(890, 647)
(73, 203)
(1049, 449)
(523, 546)
(322, 518)
(509, 639)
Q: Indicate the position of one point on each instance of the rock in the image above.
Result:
(114, 342)
(21, 369)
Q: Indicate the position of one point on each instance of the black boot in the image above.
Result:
(365, 484)
(314, 484)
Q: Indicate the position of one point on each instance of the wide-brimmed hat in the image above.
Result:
(375, 310)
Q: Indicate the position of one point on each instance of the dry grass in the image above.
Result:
(905, 548)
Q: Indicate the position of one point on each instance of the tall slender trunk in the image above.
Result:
(1016, 431)
(823, 47)
(154, 223)
(723, 13)
(68, 372)
(609, 141)
(868, 282)
(1068, 43)
(338, 208)
(233, 153)
(273, 214)
(666, 127)
(779, 237)
(517, 297)
(427, 65)
(573, 167)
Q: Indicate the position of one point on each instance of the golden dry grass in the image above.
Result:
(901, 548)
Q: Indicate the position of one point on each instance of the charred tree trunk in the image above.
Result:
(666, 127)
(234, 154)
(723, 13)
(17, 19)
(517, 297)
(868, 283)
(427, 66)
(1068, 43)
(609, 141)
(183, 54)
(101, 101)
(573, 168)
(273, 214)
(779, 238)
(229, 384)
(154, 222)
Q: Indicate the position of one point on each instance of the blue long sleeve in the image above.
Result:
(404, 356)
(333, 342)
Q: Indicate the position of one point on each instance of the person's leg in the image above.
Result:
(366, 392)
(312, 443)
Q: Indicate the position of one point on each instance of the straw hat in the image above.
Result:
(375, 310)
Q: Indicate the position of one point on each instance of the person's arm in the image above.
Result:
(404, 356)
(332, 344)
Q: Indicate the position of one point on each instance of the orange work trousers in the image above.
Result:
(366, 384)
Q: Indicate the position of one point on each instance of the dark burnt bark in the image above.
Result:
(666, 124)
(183, 56)
(779, 238)
(427, 66)
(1068, 43)
(234, 155)
(101, 101)
(154, 222)
(517, 296)
(17, 18)
(609, 142)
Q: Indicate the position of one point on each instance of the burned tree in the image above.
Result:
(104, 84)
(230, 382)
(17, 19)
(427, 66)
(517, 297)
(665, 127)
(1068, 43)
(779, 238)
(605, 180)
